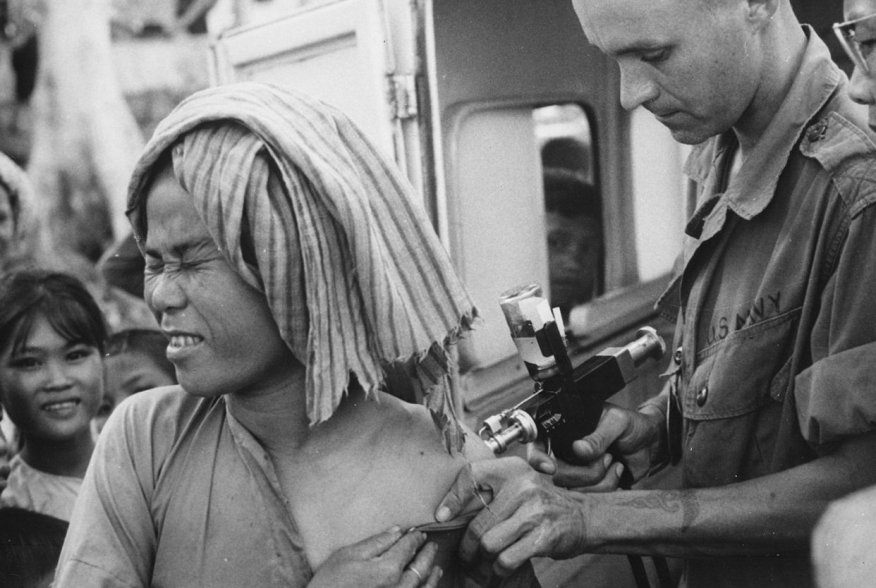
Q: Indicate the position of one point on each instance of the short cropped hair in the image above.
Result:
(566, 152)
(62, 298)
(568, 194)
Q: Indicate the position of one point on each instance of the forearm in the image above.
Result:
(765, 516)
(699, 523)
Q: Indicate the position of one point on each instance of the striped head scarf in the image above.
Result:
(305, 209)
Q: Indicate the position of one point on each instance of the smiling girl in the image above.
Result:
(52, 336)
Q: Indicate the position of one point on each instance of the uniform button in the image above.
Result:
(676, 357)
(817, 131)
(702, 395)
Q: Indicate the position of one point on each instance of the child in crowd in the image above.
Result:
(30, 543)
(52, 337)
(135, 360)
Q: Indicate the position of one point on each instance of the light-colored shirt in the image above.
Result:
(35, 490)
(178, 493)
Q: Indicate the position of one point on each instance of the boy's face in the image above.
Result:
(573, 259)
(51, 388)
(127, 374)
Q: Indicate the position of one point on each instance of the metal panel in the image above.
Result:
(506, 56)
(339, 52)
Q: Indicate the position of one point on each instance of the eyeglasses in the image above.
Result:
(858, 50)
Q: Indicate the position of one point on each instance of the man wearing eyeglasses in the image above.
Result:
(770, 404)
(857, 35)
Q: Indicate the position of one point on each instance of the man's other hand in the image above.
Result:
(522, 514)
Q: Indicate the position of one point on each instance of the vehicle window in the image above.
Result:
(529, 202)
(572, 205)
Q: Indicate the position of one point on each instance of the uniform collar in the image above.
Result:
(753, 187)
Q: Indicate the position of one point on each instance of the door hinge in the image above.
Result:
(403, 95)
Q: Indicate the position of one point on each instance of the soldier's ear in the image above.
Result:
(760, 12)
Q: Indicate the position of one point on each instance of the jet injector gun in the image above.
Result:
(568, 400)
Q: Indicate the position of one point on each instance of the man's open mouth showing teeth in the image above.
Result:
(58, 406)
(179, 341)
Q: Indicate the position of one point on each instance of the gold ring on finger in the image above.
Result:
(416, 573)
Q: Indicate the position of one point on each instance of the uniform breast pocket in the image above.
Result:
(733, 403)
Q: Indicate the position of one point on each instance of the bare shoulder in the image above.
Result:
(421, 426)
(401, 471)
(423, 466)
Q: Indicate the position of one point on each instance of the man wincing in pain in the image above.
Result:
(769, 404)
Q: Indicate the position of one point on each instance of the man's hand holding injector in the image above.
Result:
(632, 436)
(525, 514)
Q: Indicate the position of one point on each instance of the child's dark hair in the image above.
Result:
(30, 545)
(61, 298)
(568, 194)
(149, 342)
